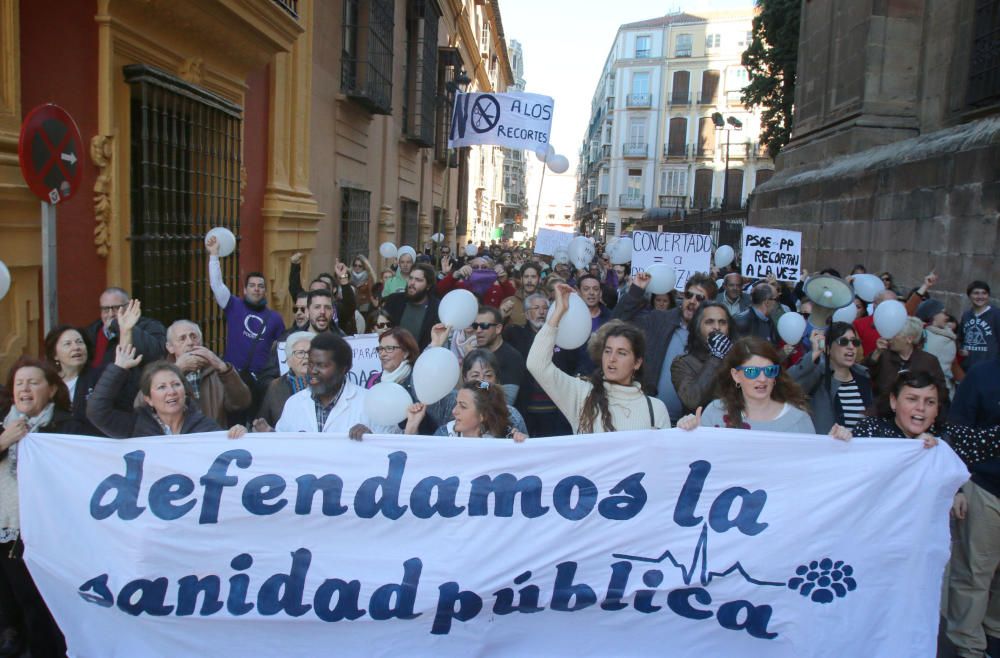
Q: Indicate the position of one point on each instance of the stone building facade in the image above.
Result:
(895, 152)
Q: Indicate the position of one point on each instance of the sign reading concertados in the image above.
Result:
(517, 121)
(709, 543)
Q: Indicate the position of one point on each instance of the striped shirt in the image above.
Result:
(851, 402)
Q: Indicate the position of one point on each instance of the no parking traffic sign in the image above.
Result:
(49, 151)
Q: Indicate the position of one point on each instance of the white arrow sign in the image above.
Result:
(69, 157)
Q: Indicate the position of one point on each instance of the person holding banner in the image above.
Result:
(754, 393)
(284, 387)
(35, 400)
(613, 399)
(480, 412)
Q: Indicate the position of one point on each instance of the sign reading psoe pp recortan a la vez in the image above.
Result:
(518, 121)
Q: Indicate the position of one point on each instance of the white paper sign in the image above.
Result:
(365, 363)
(687, 253)
(769, 251)
(710, 543)
(517, 121)
(548, 240)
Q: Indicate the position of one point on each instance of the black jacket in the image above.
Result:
(817, 380)
(395, 304)
(748, 324)
(659, 327)
(148, 336)
(141, 421)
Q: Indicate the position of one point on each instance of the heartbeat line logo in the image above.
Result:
(699, 564)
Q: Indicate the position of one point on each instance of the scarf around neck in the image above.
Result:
(399, 375)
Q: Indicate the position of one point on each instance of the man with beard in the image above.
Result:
(489, 335)
(332, 404)
(592, 293)
(415, 309)
(319, 308)
(666, 332)
(251, 327)
(531, 276)
(540, 414)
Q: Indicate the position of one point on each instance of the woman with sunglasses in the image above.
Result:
(754, 393)
(382, 322)
(838, 386)
(479, 412)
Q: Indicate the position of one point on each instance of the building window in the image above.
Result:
(762, 176)
(448, 62)
(706, 137)
(366, 59)
(681, 86)
(683, 46)
(984, 67)
(713, 40)
(703, 188)
(355, 213)
(673, 182)
(634, 189)
(734, 189)
(420, 98)
(185, 179)
(409, 223)
(642, 46)
(709, 87)
(677, 140)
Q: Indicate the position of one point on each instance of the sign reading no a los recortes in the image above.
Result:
(518, 121)
(687, 253)
(768, 251)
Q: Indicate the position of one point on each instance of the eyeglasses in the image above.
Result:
(383, 349)
(113, 309)
(844, 341)
(383, 325)
(753, 372)
(301, 354)
(694, 295)
(484, 325)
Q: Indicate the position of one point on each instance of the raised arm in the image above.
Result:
(566, 391)
(633, 300)
(219, 288)
(101, 410)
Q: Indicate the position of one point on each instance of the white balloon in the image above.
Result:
(558, 164)
(543, 153)
(890, 316)
(458, 309)
(407, 249)
(662, 280)
(724, 255)
(386, 403)
(581, 251)
(847, 314)
(4, 280)
(792, 328)
(438, 237)
(471, 250)
(622, 252)
(435, 374)
(225, 238)
(387, 250)
(574, 328)
(866, 286)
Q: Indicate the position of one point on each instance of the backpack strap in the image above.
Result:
(652, 418)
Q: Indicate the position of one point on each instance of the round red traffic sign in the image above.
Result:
(49, 151)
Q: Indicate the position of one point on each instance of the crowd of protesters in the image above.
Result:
(707, 355)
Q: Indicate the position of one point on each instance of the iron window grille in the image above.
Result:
(448, 63)
(984, 67)
(291, 6)
(420, 99)
(409, 224)
(355, 214)
(185, 179)
(366, 58)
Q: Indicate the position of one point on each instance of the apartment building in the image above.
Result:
(666, 120)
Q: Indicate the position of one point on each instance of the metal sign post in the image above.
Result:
(51, 303)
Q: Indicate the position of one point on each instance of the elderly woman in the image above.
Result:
(167, 407)
(480, 411)
(902, 352)
(37, 400)
(293, 381)
(754, 393)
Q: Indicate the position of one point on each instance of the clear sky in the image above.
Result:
(566, 43)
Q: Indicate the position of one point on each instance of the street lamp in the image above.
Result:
(720, 124)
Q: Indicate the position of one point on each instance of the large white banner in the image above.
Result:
(687, 253)
(711, 543)
(517, 121)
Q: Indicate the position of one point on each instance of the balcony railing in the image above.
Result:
(676, 151)
(601, 201)
(705, 152)
(635, 150)
(605, 151)
(680, 98)
(291, 6)
(708, 99)
(631, 201)
(642, 54)
(673, 201)
(638, 100)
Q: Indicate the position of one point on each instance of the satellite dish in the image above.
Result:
(827, 293)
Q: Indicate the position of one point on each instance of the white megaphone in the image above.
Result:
(827, 293)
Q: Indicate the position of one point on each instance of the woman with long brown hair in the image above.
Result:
(753, 392)
(613, 399)
(480, 411)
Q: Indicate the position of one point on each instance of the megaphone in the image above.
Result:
(827, 293)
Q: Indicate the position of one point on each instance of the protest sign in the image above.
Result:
(517, 121)
(548, 240)
(365, 365)
(710, 543)
(768, 251)
(687, 253)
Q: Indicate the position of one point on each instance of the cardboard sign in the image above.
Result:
(768, 251)
(548, 240)
(364, 366)
(517, 121)
(686, 252)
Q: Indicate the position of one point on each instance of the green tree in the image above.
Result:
(770, 61)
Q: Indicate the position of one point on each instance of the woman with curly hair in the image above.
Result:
(754, 393)
(613, 399)
(480, 412)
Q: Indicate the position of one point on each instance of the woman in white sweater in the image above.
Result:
(613, 399)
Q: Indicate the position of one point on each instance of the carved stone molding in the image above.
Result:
(101, 150)
(192, 70)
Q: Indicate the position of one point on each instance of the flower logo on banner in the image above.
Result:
(822, 580)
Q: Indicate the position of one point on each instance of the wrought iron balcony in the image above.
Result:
(705, 152)
(601, 201)
(680, 98)
(631, 201)
(673, 201)
(638, 100)
(635, 150)
(676, 150)
(605, 151)
(708, 99)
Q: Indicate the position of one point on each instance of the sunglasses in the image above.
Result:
(300, 309)
(844, 341)
(694, 295)
(484, 325)
(753, 372)
(383, 325)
